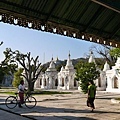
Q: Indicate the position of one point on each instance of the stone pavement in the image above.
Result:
(64, 107)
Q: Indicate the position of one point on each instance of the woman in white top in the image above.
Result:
(21, 89)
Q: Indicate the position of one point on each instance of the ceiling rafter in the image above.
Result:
(115, 31)
(54, 6)
(85, 8)
(94, 18)
(106, 5)
(7, 3)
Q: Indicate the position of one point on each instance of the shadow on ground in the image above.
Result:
(50, 112)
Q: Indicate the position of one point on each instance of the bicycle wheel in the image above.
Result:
(30, 102)
(11, 102)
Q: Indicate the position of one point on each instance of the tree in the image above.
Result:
(1, 43)
(1, 74)
(115, 52)
(32, 67)
(17, 77)
(103, 51)
(6, 67)
(84, 73)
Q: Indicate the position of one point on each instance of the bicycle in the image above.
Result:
(12, 101)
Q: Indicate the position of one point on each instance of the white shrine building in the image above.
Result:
(52, 79)
(101, 81)
(113, 78)
(109, 79)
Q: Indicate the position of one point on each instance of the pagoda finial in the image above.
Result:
(52, 57)
(91, 52)
(69, 53)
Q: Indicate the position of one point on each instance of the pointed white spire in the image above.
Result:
(91, 58)
(52, 64)
(69, 64)
(62, 68)
(106, 66)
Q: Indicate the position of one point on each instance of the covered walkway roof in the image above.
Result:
(92, 20)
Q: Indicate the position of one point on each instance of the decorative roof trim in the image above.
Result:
(54, 28)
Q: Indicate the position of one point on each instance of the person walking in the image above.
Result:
(21, 90)
(91, 95)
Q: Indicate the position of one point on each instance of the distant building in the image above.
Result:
(113, 78)
(7, 80)
(109, 79)
(101, 81)
(52, 79)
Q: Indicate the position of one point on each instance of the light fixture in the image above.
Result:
(74, 34)
(110, 43)
(54, 30)
(42, 27)
(29, 24)
(83, 36)
(0, 17)
(90, 38)
(16, 21)
(104, 42)
(98, 40)
(65, 32)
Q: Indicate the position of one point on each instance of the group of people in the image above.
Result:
(90, 97)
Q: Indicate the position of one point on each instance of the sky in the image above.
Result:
(43, 44)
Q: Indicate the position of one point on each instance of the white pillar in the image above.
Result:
(50, 82)
(43, 82)
(47, 83)
(119, 83)
(37, 83)
(109, 84)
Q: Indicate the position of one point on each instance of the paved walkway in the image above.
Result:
(64, 107)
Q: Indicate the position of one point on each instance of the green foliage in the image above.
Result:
(31, 66)
(58, 67)
(17, 77)
(115, 52)
(86, 72)
(7, 67)
(43, 69)
(1, 74)
(8, 64)
(5, 70)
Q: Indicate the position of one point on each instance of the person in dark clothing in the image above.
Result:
(91, 95)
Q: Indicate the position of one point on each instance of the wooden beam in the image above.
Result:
(105, 5)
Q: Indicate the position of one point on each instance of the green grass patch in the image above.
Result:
(117, 99)
(36, 92)
(49, 92)
(9, 93)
